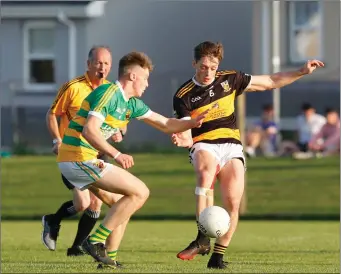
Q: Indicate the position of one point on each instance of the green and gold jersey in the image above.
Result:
(108, 103)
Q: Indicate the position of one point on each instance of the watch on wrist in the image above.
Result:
(55, 141)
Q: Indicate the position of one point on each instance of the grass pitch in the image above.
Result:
(151, 247)
(32, 187)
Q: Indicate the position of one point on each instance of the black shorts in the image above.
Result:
(70, 186)
(67, 183)
(303, 147)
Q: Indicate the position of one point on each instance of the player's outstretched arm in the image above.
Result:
(172, 125)
(281, 79)
(91, 132)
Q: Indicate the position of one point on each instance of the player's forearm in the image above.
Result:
(95, 138)
(175, 125)
(281, 79)
(316, 137)
(332, 140)
(52, 125)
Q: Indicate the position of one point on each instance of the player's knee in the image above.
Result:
(82, 205)
(233, 205)
(141, 195)
(95, 204)
(144, 193)
(205, 177)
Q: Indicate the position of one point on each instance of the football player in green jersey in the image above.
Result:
(108, 107)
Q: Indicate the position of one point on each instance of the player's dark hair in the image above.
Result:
(132, 59)
(306, 106)
(208, 48)
(268, 107)
(93, 50)
(330, 110)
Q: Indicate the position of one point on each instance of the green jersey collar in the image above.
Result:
(122, 90)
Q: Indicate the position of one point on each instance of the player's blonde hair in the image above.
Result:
(209, 48)
(134, 58)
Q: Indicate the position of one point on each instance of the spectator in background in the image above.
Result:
(330, 135)
(309, 123)
(263, 134)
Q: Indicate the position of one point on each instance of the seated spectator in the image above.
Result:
(263, 134)
(309, 123)
(330, 135)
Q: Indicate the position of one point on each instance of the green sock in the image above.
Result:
(100, 235)
(113, 254)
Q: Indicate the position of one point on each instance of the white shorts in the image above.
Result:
(222, 152)
(83, 174)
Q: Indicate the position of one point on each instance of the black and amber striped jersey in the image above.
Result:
(220, 125)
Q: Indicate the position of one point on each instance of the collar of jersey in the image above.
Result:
(122, 90)
(88, 79)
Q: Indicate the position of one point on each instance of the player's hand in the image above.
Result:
(271, 130)
(197, 121)
(314, 146)
(124, 160)
(56, 147)
(181, 140)
(310, 66)
(117, 137)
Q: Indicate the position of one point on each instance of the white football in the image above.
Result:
(214, 221)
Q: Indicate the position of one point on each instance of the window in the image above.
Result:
(39, 55)
(305, 30)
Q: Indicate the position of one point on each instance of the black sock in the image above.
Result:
(218, 252)
(217, 256)
(201, 237)
(65, 211)
(85, 225)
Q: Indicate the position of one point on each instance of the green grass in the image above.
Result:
(151, 247)
(31, 186)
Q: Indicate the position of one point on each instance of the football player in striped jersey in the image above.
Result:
(215, 149)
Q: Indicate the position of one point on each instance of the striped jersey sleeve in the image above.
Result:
(140, 109)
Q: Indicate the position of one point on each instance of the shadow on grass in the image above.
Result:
(276, 263)
(289, 251)
(165, 173)
(278, 252)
